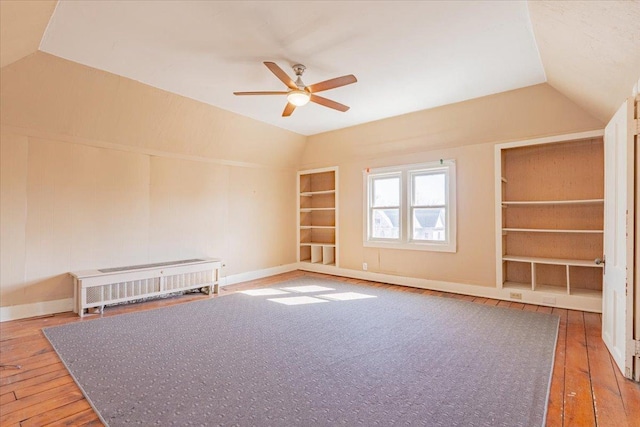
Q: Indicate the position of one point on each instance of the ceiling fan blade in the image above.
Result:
(288, 109)
(260, 93)
(328, 103)
(279, 72)
(333, 83)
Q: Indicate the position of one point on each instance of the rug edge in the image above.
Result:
(75, 380)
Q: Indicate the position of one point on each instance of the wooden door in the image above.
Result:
(617, 309)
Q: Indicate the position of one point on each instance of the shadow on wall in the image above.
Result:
(40, 290)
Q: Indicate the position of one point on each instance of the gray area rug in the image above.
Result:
(335, 358)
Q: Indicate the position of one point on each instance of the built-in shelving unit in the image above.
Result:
(550, 217)
(318, 216)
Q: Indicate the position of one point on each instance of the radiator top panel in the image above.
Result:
(140, 266)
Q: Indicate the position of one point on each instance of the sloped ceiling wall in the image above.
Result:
(22, 24)
(590, 50)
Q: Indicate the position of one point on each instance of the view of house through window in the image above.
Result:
(385, 210)
(428, 206)
(411, 207)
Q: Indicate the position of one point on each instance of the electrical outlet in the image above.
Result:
(515, 295)
(365, 266)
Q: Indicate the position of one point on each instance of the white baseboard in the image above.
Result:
(257, 274)
(15, 312)
(572, 302)
(23, 311)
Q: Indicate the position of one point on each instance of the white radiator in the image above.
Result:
(97, 288)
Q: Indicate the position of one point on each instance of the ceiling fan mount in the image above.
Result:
(299, 94)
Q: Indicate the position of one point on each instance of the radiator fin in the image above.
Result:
(105, 294)
(179, 281)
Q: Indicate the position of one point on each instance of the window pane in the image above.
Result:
(386, 191)
(429, 224)
(385, 223)
(429, 189)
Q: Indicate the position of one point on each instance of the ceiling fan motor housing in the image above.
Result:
(299, 69)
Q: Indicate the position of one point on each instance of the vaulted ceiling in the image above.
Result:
(407, 56)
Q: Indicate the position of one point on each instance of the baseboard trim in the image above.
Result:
(257, 274)
(572, 302)
(44, 308)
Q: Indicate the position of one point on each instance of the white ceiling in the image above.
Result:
(407, 56)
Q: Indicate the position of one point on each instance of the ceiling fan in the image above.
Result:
(299, 94)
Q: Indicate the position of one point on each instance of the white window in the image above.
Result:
(411, 207)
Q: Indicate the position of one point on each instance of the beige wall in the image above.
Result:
(466, 132)
(100, 171)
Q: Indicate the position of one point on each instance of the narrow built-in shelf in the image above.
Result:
(553, 261)
(552, 230)
(307, 227)
(330, 245)
(313, 193)
(316, 209)
(553, 202)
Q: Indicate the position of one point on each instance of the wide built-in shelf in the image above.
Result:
(551, 289)
(552, 230)
(552, 202)
(552, 261)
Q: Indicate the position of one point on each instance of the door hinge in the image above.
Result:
(637, 352)
(636, 128)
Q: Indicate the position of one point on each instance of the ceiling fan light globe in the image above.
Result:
(298, 97)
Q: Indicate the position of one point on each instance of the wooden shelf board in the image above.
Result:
(307, 227)
(553, 202)
(551, 230)
(553, 261)
(313, 193)
(333, 245)
(551, 289)
(316, 209)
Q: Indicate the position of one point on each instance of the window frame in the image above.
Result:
(372, 208)
(405, 217)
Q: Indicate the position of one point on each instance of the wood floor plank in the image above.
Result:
(22, 409)
(607, 399)
(530, 307)
(31, 362)
(491, 301)
(21, 393)
(555, 410)
(66, 411)
(40, 379)
(6, 397)
(83, 418)
(543, 309)
(578, 407)
(24, 375)
(516, 305)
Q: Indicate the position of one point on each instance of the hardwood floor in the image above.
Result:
(586, 390)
